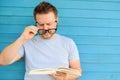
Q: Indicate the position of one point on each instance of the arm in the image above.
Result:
(74, 64)
(10, 53)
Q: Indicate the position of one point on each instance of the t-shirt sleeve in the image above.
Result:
(21, 50)
(73, 51)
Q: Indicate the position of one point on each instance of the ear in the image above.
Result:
(56, 20)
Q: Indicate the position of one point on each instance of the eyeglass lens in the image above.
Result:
(42, 31)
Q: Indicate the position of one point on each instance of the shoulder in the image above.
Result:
(65, 39)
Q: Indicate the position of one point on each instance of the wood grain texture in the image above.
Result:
(94, 25)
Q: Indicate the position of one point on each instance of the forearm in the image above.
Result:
(10, 52)
(72, 77)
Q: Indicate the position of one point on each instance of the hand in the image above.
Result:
(29, 33)
(64, 76)
(59, 75)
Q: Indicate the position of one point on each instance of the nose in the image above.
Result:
(45, 27)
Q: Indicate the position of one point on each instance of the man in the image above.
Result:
(46, 50)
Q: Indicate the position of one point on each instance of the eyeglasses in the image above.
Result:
(43, 31)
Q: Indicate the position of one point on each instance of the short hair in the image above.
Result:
(45, 7)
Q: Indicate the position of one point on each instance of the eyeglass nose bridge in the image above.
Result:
(44, 31)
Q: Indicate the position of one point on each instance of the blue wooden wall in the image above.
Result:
(93, 24)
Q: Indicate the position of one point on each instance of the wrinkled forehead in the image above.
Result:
(45, 18)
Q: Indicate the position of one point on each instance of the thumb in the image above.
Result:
(61, 73)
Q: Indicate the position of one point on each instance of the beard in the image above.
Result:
(47, 35)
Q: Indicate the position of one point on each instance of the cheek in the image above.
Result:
(51, 27)
(40, 27)
(54, 26)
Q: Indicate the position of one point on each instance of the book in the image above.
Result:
(54, 71)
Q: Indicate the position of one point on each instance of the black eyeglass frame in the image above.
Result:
(44, 31)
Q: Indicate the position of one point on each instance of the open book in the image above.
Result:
(53, 71)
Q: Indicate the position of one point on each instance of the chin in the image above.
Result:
(46, 37)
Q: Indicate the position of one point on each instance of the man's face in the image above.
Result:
(47, 24)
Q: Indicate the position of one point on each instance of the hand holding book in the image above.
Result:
(54, 71)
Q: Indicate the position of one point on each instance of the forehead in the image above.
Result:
(42, 18)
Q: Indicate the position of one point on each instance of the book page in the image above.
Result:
(69, 71)
(53, 71)
(43, 71)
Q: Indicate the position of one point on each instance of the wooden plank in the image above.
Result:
(89, 22)
(74, 31)
(82, 4)
(95, 40)
(112, 68)
(12, 28)
(11, 75)
(10, 11)
(17, 66)
(8, 38)
(100, 76)
(89, 31)
(89, 49)
(79, 39)
(16, 20)
(100, 58)
(75, 22)
(89, 13)
(101, 49)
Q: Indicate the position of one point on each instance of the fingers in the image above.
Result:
(61, 73)
(58, 75)
(31, 29)
(29, 32)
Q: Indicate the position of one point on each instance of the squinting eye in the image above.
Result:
(48, 24)
(41, 24)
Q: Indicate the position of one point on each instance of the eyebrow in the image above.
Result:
(45, 23)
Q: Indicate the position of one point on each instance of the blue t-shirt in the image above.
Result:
(52, 53)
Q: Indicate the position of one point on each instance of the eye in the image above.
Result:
(40, 24)
(48, 24)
